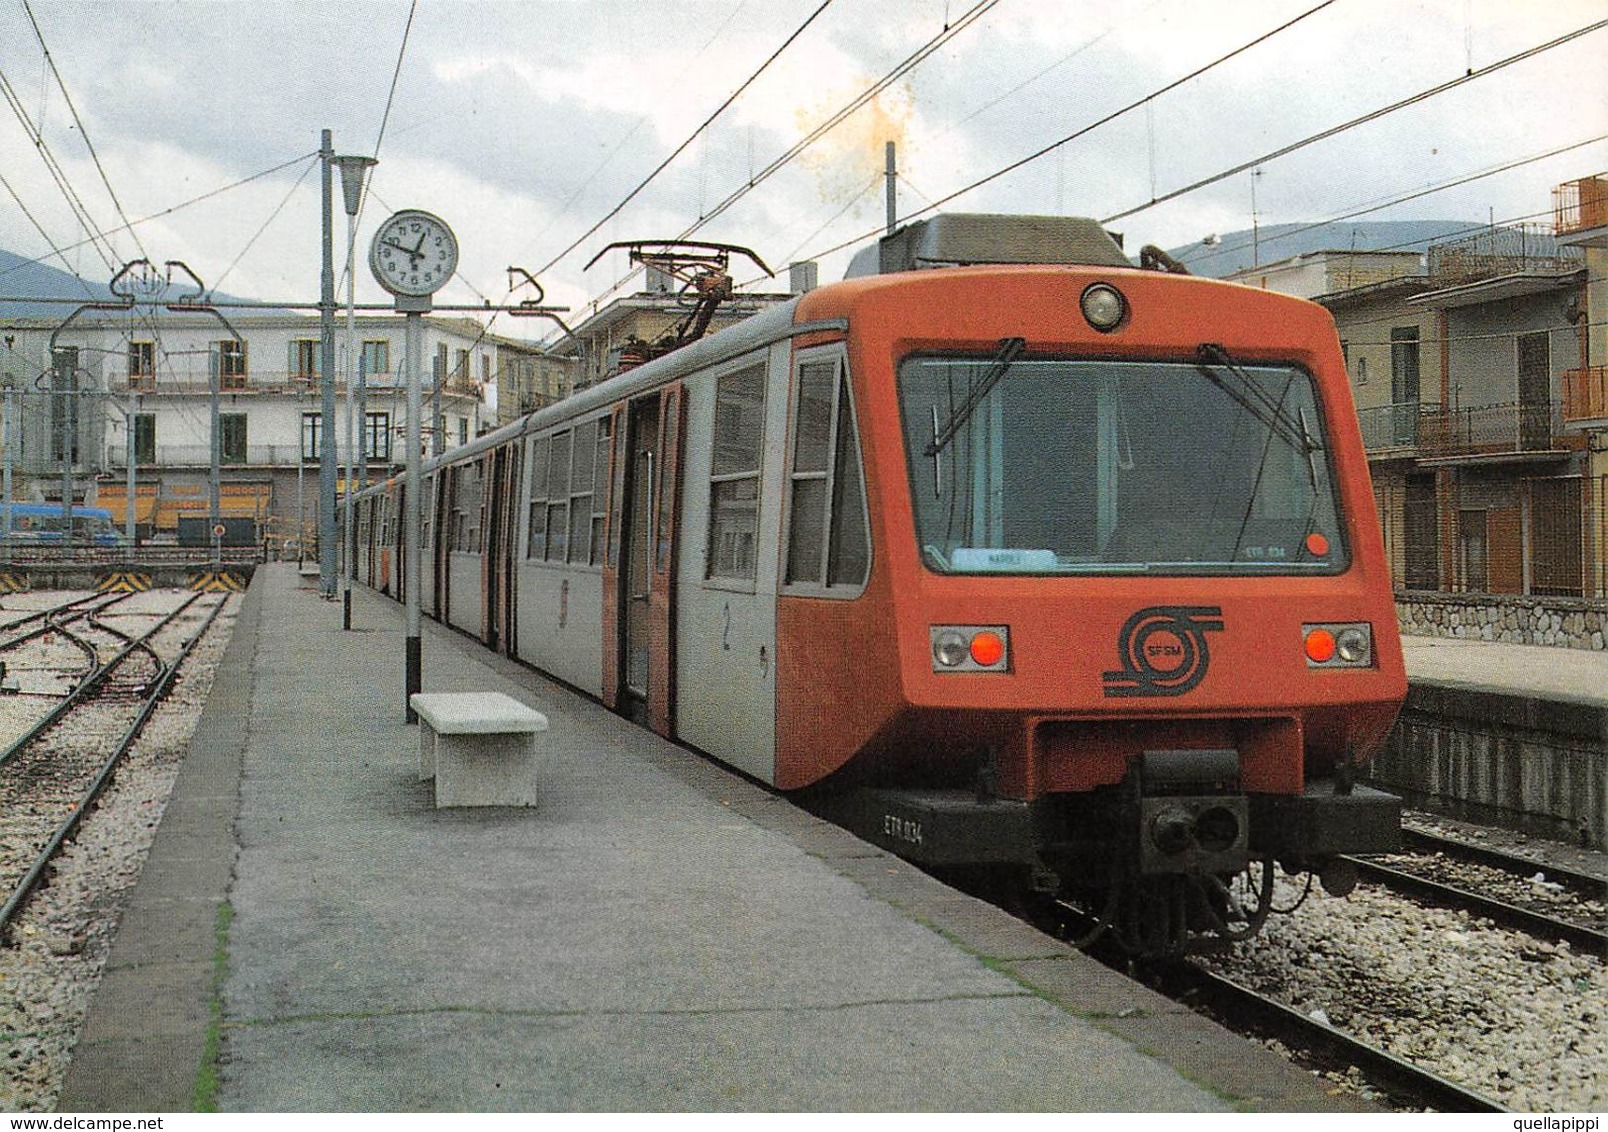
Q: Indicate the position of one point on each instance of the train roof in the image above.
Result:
(960, 239)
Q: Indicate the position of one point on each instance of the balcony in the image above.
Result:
(1585, 394)
(1485, 430)
(1433, 432)
(1520, 249)
(1579, 207)
(281, 383)
(1388, 427)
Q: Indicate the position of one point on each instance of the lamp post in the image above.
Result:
(354, 171)
(327, 538)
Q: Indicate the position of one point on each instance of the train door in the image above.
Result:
(493, 558)
(644, 511)
(436, 551)
(506, 548)
(732, 461)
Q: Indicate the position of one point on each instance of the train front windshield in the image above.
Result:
(1044, 466)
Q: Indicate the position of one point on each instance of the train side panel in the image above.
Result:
(726, 646)
(561, 622)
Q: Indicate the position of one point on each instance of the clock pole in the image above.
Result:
(413, 254)
(414, 344)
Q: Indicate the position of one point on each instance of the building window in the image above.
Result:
(303, 363)
(312, 436)
(378, 440)
(1403, 364)
(376, 356)
(440, 374)
(463, 430)
(145, 438)
(142, 365)
(485, 369)
(461, 370)
(232, 438)
(231, 355)
(734, 478)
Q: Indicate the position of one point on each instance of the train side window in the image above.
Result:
(734, 478)
(827, 542)
(536, 536)
(558, 486)
(600, 483)
(584, 457)
(466, 502)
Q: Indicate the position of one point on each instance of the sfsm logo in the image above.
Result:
(1162, 650)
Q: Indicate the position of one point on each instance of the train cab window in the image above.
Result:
(827, 541)
(1044, 465)
(734, 478)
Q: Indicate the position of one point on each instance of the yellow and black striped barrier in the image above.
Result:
(218, 581)
(124, 581)
(13, 581)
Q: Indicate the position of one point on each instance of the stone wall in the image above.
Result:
(1557, 621)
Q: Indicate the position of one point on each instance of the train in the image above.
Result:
(34, 523)
(1015, 557)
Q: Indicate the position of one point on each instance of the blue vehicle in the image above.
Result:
(43, 523)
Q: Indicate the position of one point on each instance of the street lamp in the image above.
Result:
(354, 172)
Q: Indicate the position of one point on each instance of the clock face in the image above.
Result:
(413, 253)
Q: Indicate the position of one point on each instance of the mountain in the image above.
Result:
(24, 281)
(1237, 251)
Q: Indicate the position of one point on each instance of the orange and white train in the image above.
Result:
(1007, 553)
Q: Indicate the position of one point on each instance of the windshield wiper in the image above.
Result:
(1009, 350)
(1212, 358)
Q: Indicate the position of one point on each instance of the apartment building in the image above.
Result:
(153, 386)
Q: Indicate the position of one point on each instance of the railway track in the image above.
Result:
(1408, 875)
(52, 774)
(1407, 1084)
(1309, 1036)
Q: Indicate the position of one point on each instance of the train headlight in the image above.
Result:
(1104, 307)
(949, 649)
(1352, 645)
(1338, 646)
(970, 648)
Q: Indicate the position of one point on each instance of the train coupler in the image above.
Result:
(1192, 817)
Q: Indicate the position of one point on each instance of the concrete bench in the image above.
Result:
(480, 747)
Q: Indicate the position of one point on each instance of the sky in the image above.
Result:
(525, 124)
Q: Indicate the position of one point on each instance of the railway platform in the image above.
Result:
(311, 933)
(1503, 734)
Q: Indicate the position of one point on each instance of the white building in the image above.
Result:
(143, 379)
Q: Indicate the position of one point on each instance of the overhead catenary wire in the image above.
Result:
(175, 208)
(842, 114)
(75, 203)
(704, 125)
(83, 131)
(1242, 166)
(1362, 119)
(1392, 202)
